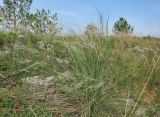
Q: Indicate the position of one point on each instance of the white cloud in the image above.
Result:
(67, 13)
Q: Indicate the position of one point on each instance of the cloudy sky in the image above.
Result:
(144, 15)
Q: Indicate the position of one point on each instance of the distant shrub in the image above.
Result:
(7, 37)
(147, 37)
(32, 38)
(91, 30)
(60, 50)
(2, 38)
(12, 36)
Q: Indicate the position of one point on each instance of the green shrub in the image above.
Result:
(60, 50)
(2, 38)
(12, 36)
(7, 37)
(32, 38)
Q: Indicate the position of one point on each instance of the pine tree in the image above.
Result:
(122, 27)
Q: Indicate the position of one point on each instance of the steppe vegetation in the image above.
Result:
(44, 73)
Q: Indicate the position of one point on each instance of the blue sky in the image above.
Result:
(144, 15)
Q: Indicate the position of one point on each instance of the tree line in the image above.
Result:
(121, 27)
(15, 15)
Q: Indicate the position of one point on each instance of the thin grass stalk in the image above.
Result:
(143, 90)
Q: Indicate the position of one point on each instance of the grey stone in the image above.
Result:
(36, 81)
(140, 112)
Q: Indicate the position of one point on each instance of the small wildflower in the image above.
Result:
(41, 45)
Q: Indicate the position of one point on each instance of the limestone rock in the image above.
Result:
(140, 112)
(36, 81)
